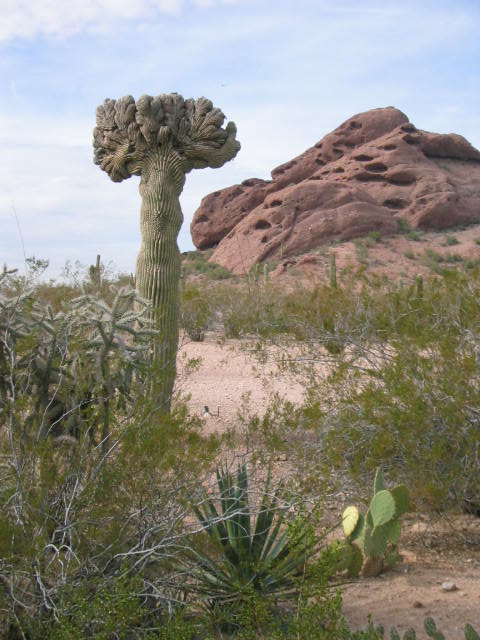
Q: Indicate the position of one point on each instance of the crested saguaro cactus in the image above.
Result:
(161, 139)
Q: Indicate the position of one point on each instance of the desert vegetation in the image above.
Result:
(122, 520)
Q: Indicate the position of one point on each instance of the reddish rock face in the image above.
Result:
(361, 177)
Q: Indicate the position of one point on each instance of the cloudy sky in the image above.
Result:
(286, 71)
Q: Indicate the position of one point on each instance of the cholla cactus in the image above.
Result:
(377, 533)
(161, 139)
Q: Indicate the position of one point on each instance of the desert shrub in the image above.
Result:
(195, 312)
(197, 263)
(87, 490)
(391, 397)
(450, 241)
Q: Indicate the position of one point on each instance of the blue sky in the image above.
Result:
(287, 72)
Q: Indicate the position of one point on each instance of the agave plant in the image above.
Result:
(255, 552)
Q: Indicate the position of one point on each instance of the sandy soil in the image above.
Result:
(223, 378)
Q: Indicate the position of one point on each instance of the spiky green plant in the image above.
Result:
(432, 632)
(161, 139)
(255, 551)
(378, 532)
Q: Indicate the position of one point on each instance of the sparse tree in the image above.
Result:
(161, 139)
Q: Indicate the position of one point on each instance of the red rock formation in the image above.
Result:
(372, 169)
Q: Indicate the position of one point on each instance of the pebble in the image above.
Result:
(449, 586)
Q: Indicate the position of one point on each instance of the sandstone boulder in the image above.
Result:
(361, 177)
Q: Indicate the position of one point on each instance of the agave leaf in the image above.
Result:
(263, 524)
(273, 537)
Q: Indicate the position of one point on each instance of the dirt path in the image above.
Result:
(434, 553)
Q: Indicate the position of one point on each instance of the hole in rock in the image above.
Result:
(263, 239)
(395, 203)
(339, 170)
(389, 147)
(202, 218)
(275, 203)
(376, 167)
(320, 161)
(338, 152)
(319, 145)
(355, 125)
(411, 139)
(262, 224)
(401, 179)
(409, 128)
(369, 177)
(363, 157)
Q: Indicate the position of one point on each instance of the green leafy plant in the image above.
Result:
(378, 532)
(254, 552)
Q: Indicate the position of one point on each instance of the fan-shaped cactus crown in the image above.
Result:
(128, 131)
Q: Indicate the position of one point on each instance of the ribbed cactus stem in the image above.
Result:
(161, 139)
(158, 263)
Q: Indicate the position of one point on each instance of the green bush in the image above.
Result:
(197, 263)
(195, 313)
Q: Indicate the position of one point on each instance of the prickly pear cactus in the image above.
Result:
(431, 629)
(378, 532)
(432, 632)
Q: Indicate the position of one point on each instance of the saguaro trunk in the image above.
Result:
(158, 263)
(161, 139)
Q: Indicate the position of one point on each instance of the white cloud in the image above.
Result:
(54, 18)
(28, 18)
